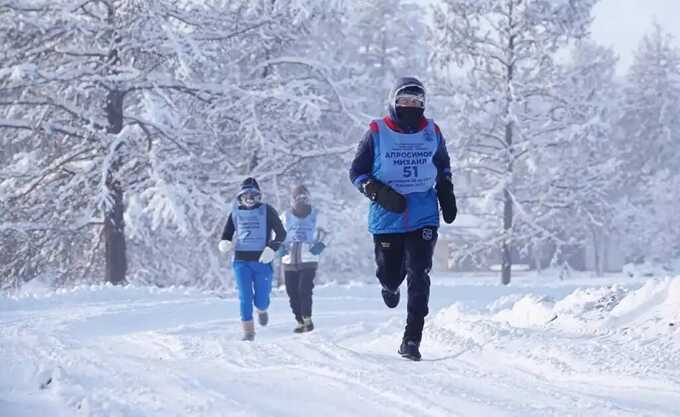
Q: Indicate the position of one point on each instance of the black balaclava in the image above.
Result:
(301, 201)
(407, 118)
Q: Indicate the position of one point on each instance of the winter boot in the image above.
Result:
(262, 317)
(391, 298)
(300, 328)
(309, 326)
(248, 330)
(409, 350)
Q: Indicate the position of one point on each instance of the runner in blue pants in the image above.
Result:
(249, 231)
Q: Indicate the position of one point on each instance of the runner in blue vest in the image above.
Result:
(300, 255)
(403, 167)
(248, 231)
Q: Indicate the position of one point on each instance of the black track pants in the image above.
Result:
(408, 255)
(299, 286)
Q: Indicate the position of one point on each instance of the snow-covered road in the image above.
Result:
(488, 351)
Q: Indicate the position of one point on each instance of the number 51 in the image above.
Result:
(411, 172)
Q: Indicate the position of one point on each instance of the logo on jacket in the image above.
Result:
(427, 234)
(428, 135)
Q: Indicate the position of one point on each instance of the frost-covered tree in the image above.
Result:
(157, 106)
(266, 121)
(354, 52)
(513, 118)
(387, 38)
(587, 170)
(648, 141)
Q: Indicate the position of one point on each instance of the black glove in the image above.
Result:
(384, 195)
(447, 199)
(317, 248)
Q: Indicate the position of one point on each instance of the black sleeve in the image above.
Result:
(441, 159)
(228, 232)
(275, 224)
(362, 164)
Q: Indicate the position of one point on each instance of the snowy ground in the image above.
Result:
(574, 348)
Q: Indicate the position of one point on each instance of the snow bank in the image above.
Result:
(657, 301)
(655, 307)
(609, 336)
(529, 311)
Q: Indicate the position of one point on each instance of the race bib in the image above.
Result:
(405, 161)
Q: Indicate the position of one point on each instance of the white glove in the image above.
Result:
(268, 255)
(224, 246)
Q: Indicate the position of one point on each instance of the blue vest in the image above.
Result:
(300, 229)
(250, 228)
(404, 161)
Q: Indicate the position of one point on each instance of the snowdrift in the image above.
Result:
(654, 307)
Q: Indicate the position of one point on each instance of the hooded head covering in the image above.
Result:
(408, 118)
(301, 201)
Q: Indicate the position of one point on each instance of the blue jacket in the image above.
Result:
(421, 207)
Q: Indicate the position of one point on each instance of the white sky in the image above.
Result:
(620, 24)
